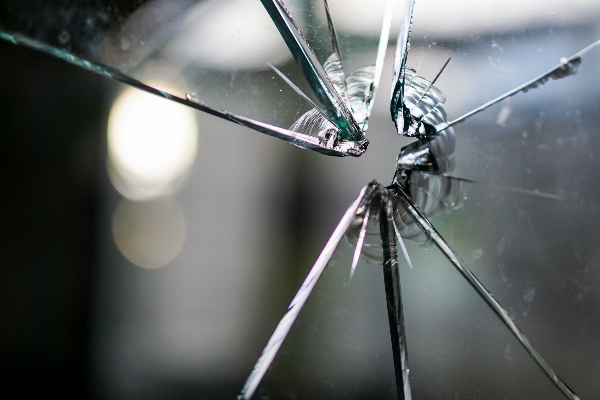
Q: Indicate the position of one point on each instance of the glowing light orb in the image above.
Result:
(151, 144)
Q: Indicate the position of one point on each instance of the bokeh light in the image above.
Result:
(150, 234)
(151, 144)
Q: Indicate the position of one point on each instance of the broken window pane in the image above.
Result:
(527, 229)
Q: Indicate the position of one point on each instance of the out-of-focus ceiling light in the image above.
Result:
(151, 144)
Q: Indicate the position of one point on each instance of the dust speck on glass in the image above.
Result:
(394, 306)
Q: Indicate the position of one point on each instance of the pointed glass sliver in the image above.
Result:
(211, 55)
(339, 347)
(457, 345)
(451, 255)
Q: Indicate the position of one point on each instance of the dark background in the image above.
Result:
(52, 118)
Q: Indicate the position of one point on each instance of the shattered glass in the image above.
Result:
(520, 208)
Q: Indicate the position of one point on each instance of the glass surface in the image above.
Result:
(339, 346)
(528, 228)
(224, 58)
(457, 347)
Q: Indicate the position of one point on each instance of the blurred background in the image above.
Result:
(148, 250)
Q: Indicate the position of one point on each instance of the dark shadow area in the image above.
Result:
(52, 118)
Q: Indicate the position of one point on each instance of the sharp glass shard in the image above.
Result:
(351, 138)
(391, 276)
(335, 72)
(423, 105)
(357, 90)
(424, 223)
(333, 66)
(314, 72)
(295, 306)
(422, 108)
(419, 106)
(566, 67)
(402, 48)
(402, 245)
(360, 241)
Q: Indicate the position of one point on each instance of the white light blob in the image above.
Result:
(151, 144)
